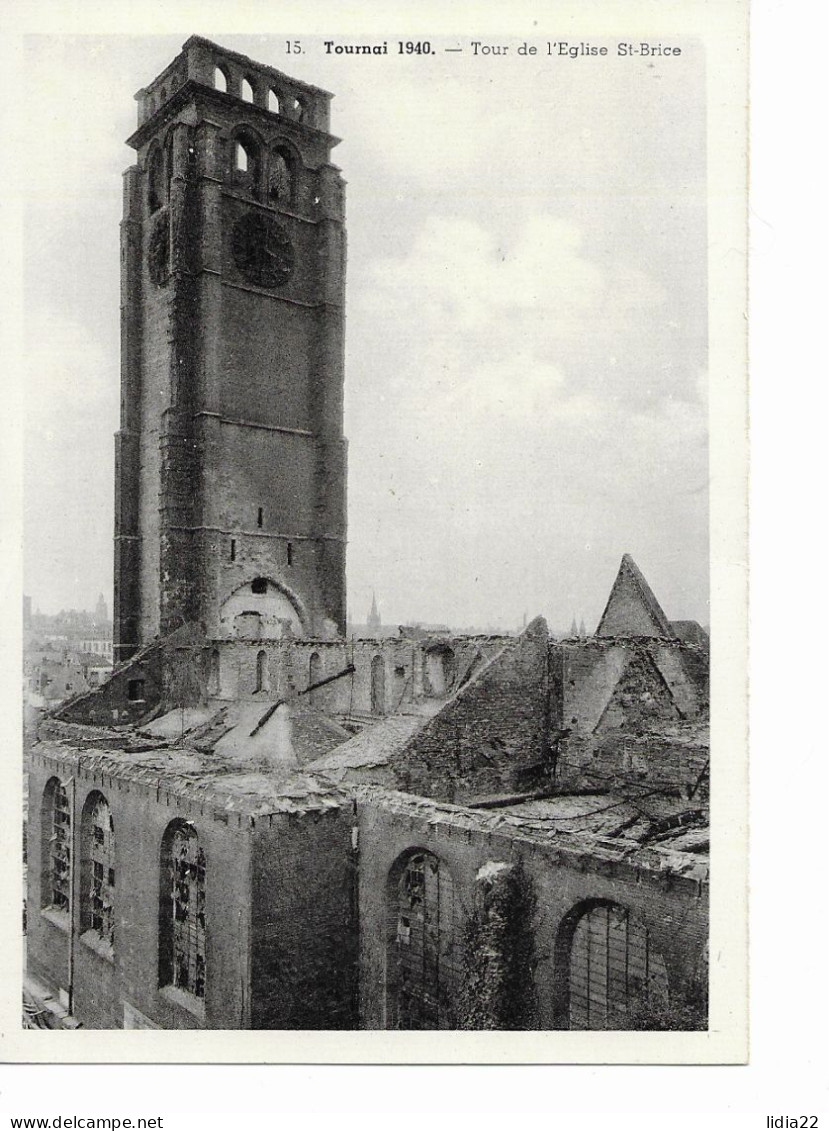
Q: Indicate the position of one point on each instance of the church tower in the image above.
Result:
(230, 459)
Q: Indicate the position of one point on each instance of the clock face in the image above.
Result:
(262, 251)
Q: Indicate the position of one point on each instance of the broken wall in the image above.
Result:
(492, 735)
(170, 672)
(614, 698)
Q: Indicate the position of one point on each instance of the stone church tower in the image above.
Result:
(230, 459)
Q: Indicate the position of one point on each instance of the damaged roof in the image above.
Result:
(578, 828)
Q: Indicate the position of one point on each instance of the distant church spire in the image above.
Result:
(574, 630)
(582, 629)
(374, 615)
(101, 611)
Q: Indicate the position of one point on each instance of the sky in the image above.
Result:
(526, 360)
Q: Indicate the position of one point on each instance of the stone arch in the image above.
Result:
(283, 163)
(280, 611)
(378, 685)
(221, 79)
(246, 160)
(182, 910)
(97, 844)
(609, 974)
(422, 975)
(248, 89)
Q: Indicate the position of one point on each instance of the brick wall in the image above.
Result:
(674, 909)
(303, 930)
(141, 813)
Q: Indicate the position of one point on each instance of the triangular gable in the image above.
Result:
(632, 609)
(640, 698)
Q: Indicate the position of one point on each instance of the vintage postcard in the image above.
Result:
(384, 676)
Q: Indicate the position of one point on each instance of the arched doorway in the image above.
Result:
(378, 686)
(421, 973)
(611, 974)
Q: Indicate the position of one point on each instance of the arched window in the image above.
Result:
(246, 163)
(182, 911)
(56, 832)
(247, 90)
(439, 669)
(262, 681)
(422, 976)
(214, 675)
(155, 179)
(611, 974)
(98, 868)
(314, 675)
(282, 176)
(220, 79)
(298, 108)
(378, 686)
(273, 102)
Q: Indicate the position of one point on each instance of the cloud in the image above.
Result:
(496, 374)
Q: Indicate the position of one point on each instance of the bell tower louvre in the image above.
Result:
(230, 465)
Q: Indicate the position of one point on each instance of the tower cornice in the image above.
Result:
(192, 89)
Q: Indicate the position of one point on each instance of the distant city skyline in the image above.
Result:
(526, 340)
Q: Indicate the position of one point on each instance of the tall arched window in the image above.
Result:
(281, 176)
(214, 673)
(56, 832)
(421, 963)
(246, 170)
(155, 181)
(273, 102)
(262, 682)
(247, 90)
(220, 79)
(182, 910)
(98, 868)
(314, 675)
(611, 974)
(378, 686)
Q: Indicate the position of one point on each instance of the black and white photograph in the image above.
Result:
(370, 550)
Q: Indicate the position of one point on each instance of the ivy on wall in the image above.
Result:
(498, 952)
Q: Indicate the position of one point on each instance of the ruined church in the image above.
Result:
(260, 823)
